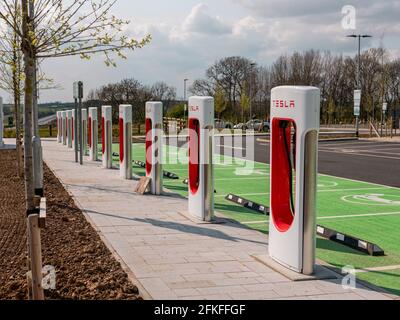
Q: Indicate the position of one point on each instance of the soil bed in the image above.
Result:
(85, 268)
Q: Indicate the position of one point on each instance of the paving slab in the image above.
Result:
(172, 257)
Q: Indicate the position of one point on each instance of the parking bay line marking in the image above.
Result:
(338, 217)
(335, 177)
(377, 269)
(333, 190)
(360, 215)
(229, 147)
(360, 155)
(360, 151)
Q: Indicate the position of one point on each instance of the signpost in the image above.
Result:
(357, 108)
(78, 96)
(383, 118)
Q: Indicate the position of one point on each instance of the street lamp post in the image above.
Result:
(185, 98)
(358, 36)
(250, 89)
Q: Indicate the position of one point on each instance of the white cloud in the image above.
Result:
(260, 30)
(200, 21)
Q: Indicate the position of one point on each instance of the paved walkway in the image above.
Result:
(172, 257)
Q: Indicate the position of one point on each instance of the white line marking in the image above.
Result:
(377, 269)
(360, 155)
(245, 195)
(359, 181)
(335, 177)
(358, 189)
(359, 215)
(360, 151)
(255, 222)
(380, 152)
(230, 147)
(216, 167)
(334, 190)
(337, 217)
(356, 144)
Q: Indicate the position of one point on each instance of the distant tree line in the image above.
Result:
(239, 85)
(131, 91)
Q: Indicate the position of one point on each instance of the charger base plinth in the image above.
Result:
(320, 272)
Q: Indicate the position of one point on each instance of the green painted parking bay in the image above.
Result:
(364, 210)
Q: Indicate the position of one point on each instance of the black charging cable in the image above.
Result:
(284, 125)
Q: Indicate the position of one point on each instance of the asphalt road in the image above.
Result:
(375, 162)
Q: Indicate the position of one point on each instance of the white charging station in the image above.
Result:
(295, 118)
(59, 127)
(64, 125)
(93, 133)
(74, 128)
(201, 141)
(70, 129)
(154, 139)
(106, 133)
(85, 130)
(125, 141)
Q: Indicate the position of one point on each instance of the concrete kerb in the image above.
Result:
(142, 291)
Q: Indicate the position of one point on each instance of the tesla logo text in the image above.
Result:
(194, 108)
(283, 104)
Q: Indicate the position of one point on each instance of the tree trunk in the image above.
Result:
(29, 68)
(17, 110)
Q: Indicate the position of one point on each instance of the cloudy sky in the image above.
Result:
(189, 35)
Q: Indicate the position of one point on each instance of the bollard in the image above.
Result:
(125, 141)
(64, 127)
(59, 127)
(85, 131)
(106, 132)
(69, 128)
(294, 146)
(93, 134)
(201, 176)
(154, 140)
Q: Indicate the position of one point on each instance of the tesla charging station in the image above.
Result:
(64, 126)
(201, 175)
(125, 141)
(93, 134)
(84, 130)
(295, 115)
(59, 127)
(70, 128)
(154, 131)
(106, 133)
(74, 128)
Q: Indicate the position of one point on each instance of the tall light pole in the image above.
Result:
(184, 96)
(252, 65)
(358, 36)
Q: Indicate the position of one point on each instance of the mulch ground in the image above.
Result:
(85, 268)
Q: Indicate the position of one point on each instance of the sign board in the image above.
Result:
(357, 102)
(78, 90)
(384, 107)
